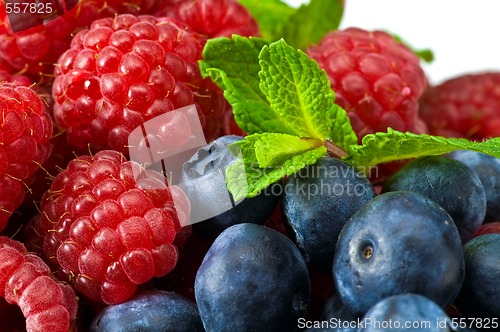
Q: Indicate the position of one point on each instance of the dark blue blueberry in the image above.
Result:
(317, 202)
(480, 294)
(487, 168)
(449, 183)
(152, 311)
(336, 318)
(212, 206)
(252, 279)
(399, 242)
(406, 312)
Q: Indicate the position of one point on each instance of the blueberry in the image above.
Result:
(252, 279)
(480, 294)
(212, 206)
(152, 311)
(406, 312)
(399, 242)
(487, 168)
(336, 318)
(449, 183)
(317, 202)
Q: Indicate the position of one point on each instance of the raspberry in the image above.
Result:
(124, 71)
(210, 18)
(464, 106)
(25, 131)
(8, 74)
(108, 229)
(376, 79)
(25, 280)
(36, 49)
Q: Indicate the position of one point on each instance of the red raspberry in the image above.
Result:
(25, 280)
(125, 71)
(36, 49)
(25, 131)
(210, 18)
(109, 229)
(376, 79)
(464, 106)
(8, 74)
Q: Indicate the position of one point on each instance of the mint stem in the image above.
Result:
(334, 150)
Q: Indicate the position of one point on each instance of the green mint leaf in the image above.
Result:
(274, 149)
(394, 145)
(341, 133)
(312, 21)
(271, 15)
(246, 179)
(424, 54)
(233, 64)
(297, 89)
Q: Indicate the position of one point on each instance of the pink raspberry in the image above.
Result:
(210, 18)
(464, 106)
(25, 280)
(376, 79)
(126, 70)
(109, 225)
(24, 144)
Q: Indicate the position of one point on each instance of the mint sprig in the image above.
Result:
(288, 115)
(284, 101)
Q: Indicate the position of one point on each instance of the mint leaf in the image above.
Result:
(312, 21)
(234, 65)
(297, 89)
(274, 149)
(271, 15)
(341, 133)
(394, 145)
(245, 178)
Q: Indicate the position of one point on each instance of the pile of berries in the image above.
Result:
(89, 236)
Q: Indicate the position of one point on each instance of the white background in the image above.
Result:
(464, 35)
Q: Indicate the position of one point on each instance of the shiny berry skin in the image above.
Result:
(25, 130)
(481, 290)
(158, 310)
(124, 71)
(109, 227)
(463, 106)
(210, 18)
(399, 242)
(25, 280)
(376, 79)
